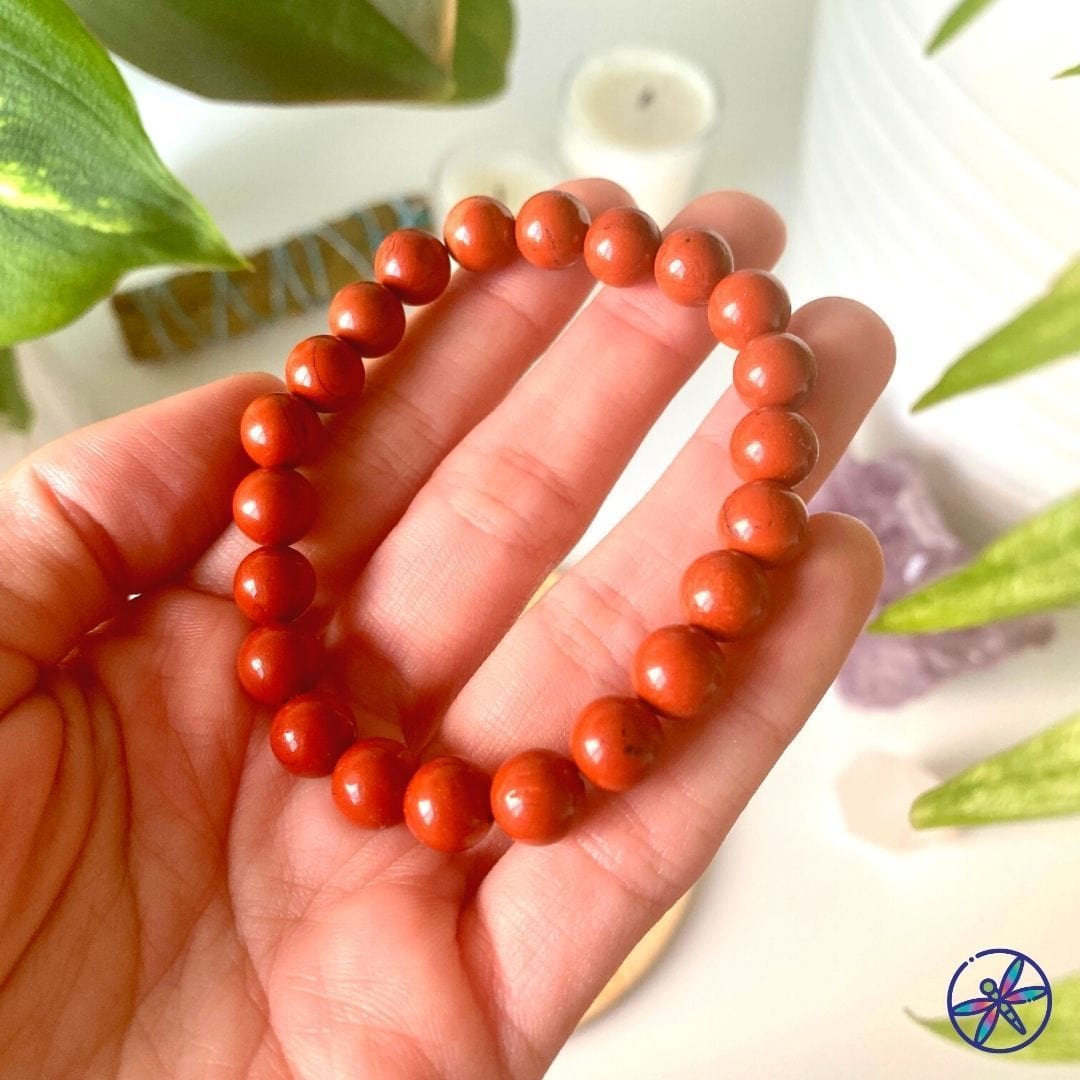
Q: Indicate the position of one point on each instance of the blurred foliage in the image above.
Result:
(958, 18)
(319, 50)
(14, 407)
(1034, 567)
(1037, 778)
(1046, 330)
(955, 21)
(1059, 1042)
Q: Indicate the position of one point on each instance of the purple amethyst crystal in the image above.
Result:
(891, 496)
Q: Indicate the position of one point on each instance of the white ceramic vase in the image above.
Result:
(945, 192)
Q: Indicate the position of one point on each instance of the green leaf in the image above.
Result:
(485, 36)
(1067, 72)
(13, 404)
(317, 50)
(955, 21)
(1060, 1040)
(83, 195)
(1035, 779)
(1034, 567)
(1047, 330)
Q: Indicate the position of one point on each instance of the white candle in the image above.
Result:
(494, 167)
(643, 118)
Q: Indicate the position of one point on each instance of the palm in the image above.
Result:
(198, 912)
(218, 887)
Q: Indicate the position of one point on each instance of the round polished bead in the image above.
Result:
(369, 316)
(774, 369)
(310, 732)
(679, 671)
(536, 796)
(274, 585)
(278, 662)
(726, 593)
(689, 264)
(774, 444)
(616, 741)
(747, 304)
(369, 782)
(325, 371)
(274, 506)
(551, 229)
(765, 520)
(414, 265)
(280, 429)
(447, 804)
(621, 246)
(479, 232)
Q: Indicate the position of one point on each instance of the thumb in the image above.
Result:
(113, 509)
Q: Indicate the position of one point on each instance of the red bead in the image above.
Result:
(447, 804)
(551, 229)
(280, 429)
(774, 444)
(775, 369)
(726, 593)
(616, 741)
(274, 506)
(310, 732)
(479, 232)
(765, 520)
(325, 371)
(274, 585)
(278, 662)
(746, 305)
(689, 264)
(369, 316)
(536, 796)
(414, 265)
(679, 671)
(369, 782)
(621, 246)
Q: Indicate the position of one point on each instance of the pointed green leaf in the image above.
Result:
(1037, 778)
(14, 407)
(83, 195)
(1035, 567)
(955, 21)
(1060, 1040)
(1045, 331)
(318, 50)
(1067, 72)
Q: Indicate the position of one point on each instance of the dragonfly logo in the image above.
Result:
(999, 1001)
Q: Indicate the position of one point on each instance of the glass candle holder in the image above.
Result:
(644, 118)
(498, 164)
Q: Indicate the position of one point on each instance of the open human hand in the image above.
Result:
(174, 904)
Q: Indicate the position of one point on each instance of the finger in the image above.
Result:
(459, 358)
(578, 642)
(580, 905)
(111, 510)
(515, 495)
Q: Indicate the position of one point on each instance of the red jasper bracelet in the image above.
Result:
(678, 671)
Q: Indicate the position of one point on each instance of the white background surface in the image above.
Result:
(805, 944)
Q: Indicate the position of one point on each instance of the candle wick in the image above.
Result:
(646, 97)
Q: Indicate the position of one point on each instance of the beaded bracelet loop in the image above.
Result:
(678, 671)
